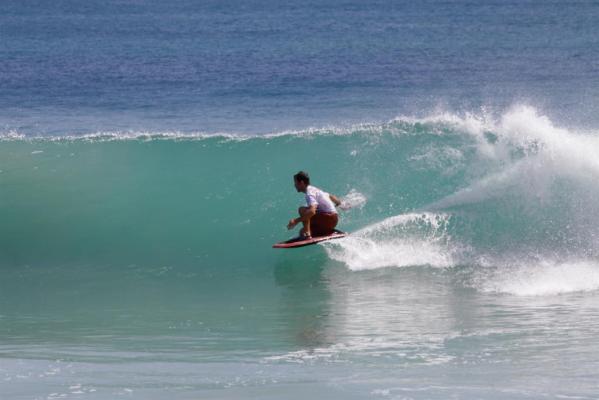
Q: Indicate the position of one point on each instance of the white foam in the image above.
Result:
(524, 128)
(362, 254)
(12, 135)
(520, 124)
(527, 158)
(540, 279)
(559, 151)
(367, 128)
(400, 241)
(471, 122)
(433, 222)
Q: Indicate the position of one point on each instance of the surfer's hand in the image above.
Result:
(291, 223)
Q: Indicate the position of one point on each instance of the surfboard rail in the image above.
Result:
(294, 243)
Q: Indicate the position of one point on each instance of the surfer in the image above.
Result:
(320, 217)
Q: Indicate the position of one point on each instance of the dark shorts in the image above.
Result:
(322, 224)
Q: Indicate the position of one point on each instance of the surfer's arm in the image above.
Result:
(335, 200)
(305, 214)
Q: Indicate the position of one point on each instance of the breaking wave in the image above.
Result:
(443, 191)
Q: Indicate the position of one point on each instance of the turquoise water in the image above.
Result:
(141, 267)
(147, 150)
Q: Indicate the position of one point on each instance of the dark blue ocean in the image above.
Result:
(69, 67)
(146, 157)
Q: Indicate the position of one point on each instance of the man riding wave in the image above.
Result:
(319, 217)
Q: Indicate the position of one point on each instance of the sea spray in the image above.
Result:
(404, 240)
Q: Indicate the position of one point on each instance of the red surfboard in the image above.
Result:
(293, 243)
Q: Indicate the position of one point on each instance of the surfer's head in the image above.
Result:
(301, 181)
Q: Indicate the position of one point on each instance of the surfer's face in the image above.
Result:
(299, 185)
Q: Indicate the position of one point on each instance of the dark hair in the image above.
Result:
(302, 177)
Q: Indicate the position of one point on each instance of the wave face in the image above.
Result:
(512, 191)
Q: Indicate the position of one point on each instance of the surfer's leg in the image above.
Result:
(305, 231)
(323, 224)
